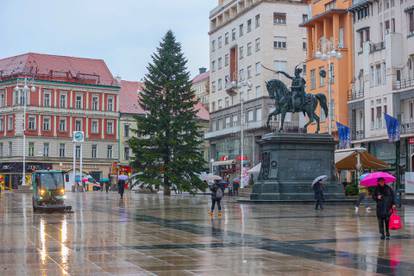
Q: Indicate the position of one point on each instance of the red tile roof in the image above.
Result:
(201, 77)
(129, 97)
(59, 68)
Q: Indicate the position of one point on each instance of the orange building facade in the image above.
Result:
(330, 27)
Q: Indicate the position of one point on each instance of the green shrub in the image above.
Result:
(351, 190)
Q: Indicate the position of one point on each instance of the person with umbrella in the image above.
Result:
(384, 196)
(317, 186)
(217, 193)
(121, 184)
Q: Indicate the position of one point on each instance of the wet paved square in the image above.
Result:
(153, 235)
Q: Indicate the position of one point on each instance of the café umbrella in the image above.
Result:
(371, 179)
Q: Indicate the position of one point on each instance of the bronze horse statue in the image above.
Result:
(286, 102)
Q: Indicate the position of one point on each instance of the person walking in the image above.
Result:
(384, 196)
(121, 187)
(362, 197)
(318, 192)
(236, 185)
(217, 192)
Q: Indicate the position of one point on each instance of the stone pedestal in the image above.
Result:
(290, 162)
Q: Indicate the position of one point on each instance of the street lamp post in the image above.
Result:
(23, 98)
(239, 86)
(327, 52)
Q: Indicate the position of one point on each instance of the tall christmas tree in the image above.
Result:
(167, 148)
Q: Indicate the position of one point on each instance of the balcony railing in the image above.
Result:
(407, 127)
(375, 47)
(358, 135)
(355, 94)
(402, 84)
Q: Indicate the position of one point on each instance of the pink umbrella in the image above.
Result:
(371, 179)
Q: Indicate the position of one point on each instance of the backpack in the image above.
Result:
(219, 193)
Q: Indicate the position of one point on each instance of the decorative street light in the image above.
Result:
(327, 52)
(24, 91)
(239, 86)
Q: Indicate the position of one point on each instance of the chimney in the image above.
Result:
(202, 70)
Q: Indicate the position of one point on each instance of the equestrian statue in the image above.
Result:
(295, 100)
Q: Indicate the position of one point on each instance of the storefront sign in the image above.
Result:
(411, 140)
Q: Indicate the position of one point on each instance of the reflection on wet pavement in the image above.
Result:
(153, 235)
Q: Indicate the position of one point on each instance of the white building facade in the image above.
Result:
(384, 76)
(247, 36)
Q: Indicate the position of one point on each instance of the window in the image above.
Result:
(1, 98)
(213, 86)
(378, 74)
(109, 152)
(393, 25)
(304, 45)
(279, 18)
(31, 149)
(280, 65)
(126, 131)
(126, 153)
(279, 42)
(241, 52)
(46, 123)
(62, 101)
(78, 103)
(10, 122)
(258, 91)
(257, 21)
(233, 34)
(226, 38)
(249, 72)
(61, 150)
(250, 116)
(257, 45)
(258, 114)
(321, 80)
(220, 42)
(226, 102)
(304, 18)
(330, 5)
(213, 45)
(241, 75)
(220, 104)
(384, 74)
(235, 119)
(62, 125)
(379, 117)
(249, 49)
(46, 99)
(32, 123)
(94, 151)
(249, 25)
(220, 63)
(213, 106)
(10, 148)
(16, 97)
(312, 79)
(95, 103)
(341, 38)
(46, 149)
(110, 106)
(78, 125)
(241, 28)
(1, 149)
(94, 126)
(220, 84)
(226, 60)
(372, 76)
(1, 124)
(258, 68)
(410, 22)
(78, 151)
(110, 127)
(227, 122)
(213, 66)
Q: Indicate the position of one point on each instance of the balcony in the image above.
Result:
(402, 84)
(376, 47)
(357, 135)
(355, 94)
(407, 128)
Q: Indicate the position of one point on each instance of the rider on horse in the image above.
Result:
(297, 88)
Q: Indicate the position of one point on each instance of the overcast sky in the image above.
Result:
(122, 32)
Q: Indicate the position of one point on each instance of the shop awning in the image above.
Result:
(348, 160)
(223, 163)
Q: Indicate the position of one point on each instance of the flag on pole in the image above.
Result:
(344, 135)
(393, 128)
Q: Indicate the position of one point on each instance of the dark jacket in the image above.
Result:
(318, 191)
(384, 205)
(214, 188)
(121, 186)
